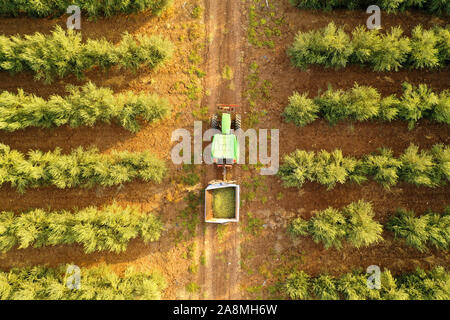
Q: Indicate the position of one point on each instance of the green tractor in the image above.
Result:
(225, 146)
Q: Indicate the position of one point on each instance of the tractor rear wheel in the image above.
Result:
(237, 124)
(214, 122)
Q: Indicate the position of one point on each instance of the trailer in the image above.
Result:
(214, 207)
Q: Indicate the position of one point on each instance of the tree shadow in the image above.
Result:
(110, 28)
(53, 198)
(102, 136)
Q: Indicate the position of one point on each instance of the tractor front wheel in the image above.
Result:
(237, 124)
(214, 122)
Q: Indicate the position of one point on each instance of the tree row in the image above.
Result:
(432, 6)
(80, 168)
(62, 53)
(62, 283)
(362, 103)
(429, 168)
(418, 285)
(93, 8)
(83, 106)
(331, 46)
(107, 229)
(355, 225)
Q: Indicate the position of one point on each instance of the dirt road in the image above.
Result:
(220, 275)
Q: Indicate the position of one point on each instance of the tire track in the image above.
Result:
(221, 273)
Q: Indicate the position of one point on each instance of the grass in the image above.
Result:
(254, 289)
(191, 250)
(190, 175)
(191, 179)
(254, 225)
(224, 203)
(257, 90)
(193, 268)
(264, 22)
(264, 199)
(250, 196)
(256, 186)
(203, 258)
(189, 216)
(245, 262)
(193, 88)
(192, 287)
(197, 10)
(246, 268)
(227, 73)
(221, 231)
(201, 113)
